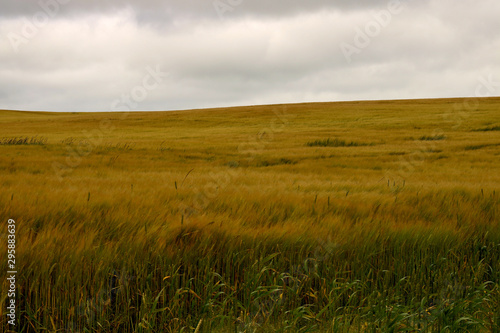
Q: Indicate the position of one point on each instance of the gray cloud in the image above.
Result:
(91, 53)
(153, 9)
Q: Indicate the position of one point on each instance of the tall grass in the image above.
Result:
(203, 236)
(379, 280)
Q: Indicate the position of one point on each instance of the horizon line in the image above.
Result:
(260, 105)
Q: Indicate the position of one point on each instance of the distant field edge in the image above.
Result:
(257, 106)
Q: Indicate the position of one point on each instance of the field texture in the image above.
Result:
(326, 217)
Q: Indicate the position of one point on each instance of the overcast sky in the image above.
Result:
(103, 55)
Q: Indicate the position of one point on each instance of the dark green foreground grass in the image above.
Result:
(410, 281)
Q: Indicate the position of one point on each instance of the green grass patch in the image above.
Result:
(336, 143)
(488, 129)
(276, 161)
(432, 151)
(476, 147)
(15, 141)
(432, 137)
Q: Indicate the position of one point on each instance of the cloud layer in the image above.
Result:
(86, 55)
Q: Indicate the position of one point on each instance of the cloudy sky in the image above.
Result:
(104, 55)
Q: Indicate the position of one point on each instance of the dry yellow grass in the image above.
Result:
(105, 189)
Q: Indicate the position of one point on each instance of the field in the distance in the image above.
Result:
(332, 217)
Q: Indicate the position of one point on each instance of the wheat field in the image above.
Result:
(374, 216)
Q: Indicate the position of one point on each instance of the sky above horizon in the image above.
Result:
(110, 55)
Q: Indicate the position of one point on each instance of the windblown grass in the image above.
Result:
(223, 220)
